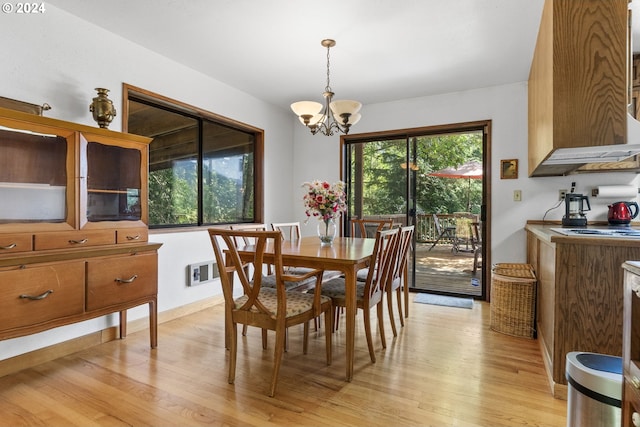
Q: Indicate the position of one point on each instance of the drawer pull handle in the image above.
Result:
(78, 242)
(11, 246)
(635, 382)
(37, 297)
(136, 237)
(130, 280)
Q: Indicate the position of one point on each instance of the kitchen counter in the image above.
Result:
(545, 233)
(579, 294)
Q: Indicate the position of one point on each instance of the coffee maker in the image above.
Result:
(575, 207)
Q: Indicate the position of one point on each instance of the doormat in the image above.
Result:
(444, 300)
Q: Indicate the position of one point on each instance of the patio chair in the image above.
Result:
(268, 308)
(476, 245)
(448, 232)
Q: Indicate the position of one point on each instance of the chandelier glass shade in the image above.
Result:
(337, 115)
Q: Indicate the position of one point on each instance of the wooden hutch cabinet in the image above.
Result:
(73, 225)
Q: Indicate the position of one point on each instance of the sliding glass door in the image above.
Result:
(433, 180)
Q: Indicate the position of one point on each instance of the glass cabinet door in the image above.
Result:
(33, 176)
(113, 183)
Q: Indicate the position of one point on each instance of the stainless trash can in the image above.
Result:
(594, 389)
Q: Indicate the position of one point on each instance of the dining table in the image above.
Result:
(345, 254)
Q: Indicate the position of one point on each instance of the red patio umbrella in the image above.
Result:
(470, 170)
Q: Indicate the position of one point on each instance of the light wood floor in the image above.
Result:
(446, 368)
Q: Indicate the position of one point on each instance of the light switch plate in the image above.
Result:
(517, 195)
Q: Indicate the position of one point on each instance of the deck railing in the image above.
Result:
(426, 228)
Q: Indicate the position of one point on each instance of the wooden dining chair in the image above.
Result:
(268, 308)
(269, 280)
(396, 279)
(369, 227)
(291, 232)
(370, 293)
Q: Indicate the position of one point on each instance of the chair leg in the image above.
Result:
(233, 349)
(406, 301)
(328, 331)
(305, 338)
(367, 332)
(277, 358)
(244, 330)
(380, 311)
(399, 298)
(391, 316)
(264, 339)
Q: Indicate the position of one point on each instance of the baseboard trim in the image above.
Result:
(45, 354)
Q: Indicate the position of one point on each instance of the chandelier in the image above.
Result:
(336, 115)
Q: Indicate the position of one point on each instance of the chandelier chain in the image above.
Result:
(328, 88)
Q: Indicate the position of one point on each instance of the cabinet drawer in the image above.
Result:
(73, 239)
(132, 235)
(10, 243)
(65, 280)
(115, 280)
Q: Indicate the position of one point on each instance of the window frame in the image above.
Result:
(130, 91)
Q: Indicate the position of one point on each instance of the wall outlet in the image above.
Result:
(562, 194)
(202, 272)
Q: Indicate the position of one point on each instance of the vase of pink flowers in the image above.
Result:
(326, 202)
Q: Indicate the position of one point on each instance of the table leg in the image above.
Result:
(350, 281)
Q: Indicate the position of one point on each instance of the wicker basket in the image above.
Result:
(513, 269)
(513, 300)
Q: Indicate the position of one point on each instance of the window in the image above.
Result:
(203, 169)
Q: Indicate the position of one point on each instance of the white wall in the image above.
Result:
(59, 59)
(317, 157)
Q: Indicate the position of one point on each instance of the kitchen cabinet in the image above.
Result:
(578, 87)
(580, 295)
(631, 344)
(73, 225)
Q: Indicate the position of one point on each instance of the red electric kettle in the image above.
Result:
(621, 213)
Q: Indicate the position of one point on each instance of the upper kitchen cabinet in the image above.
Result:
(578, 89)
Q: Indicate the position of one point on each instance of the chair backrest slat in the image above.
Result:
(405, 241)
(381, 264)
(369, 227)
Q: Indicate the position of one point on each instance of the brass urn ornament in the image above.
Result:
(102, 108)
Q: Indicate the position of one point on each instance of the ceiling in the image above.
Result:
(385, 50)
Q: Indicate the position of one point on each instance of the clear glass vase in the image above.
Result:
(327, 230)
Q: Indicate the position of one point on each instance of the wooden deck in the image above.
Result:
(441, 270)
